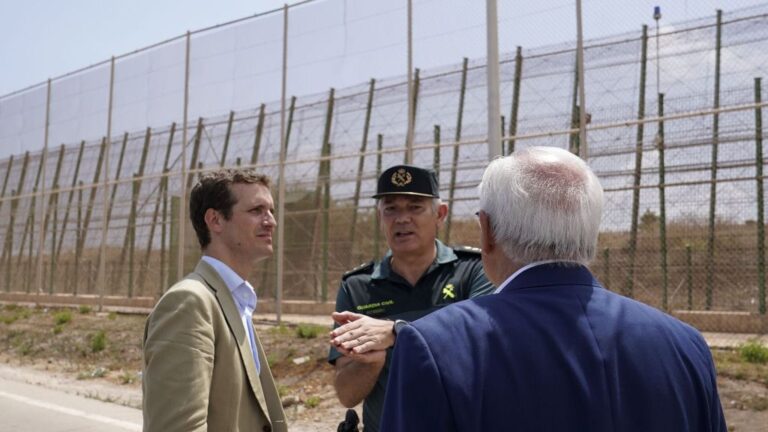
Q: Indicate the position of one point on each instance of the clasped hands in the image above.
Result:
(360, 336)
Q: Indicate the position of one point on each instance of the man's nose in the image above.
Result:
(403, 217)
(270, 220)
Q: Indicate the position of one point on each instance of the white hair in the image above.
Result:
(544, 203)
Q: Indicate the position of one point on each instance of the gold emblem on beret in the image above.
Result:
(401, 177)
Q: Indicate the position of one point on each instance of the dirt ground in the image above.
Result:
(33, 350)
(63, 349)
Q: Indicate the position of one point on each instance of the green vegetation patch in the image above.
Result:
(62, 317)
(731, 364)
(281, 330)
(98, 341)
(13, 313)
(127, 377)
(8, 319)
(272, 360)
(312, 402)
(310, 331)
(98, 372)
(754, 352)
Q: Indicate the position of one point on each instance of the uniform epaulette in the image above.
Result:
(467, 250)
(362, 268)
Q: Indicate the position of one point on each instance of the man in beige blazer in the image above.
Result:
(204, 368)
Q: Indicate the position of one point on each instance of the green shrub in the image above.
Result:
(312, 402)
(62, 317)
(16, 337)
(98, 341)
(309, 331)
(84, 309)
(272, 360)
(127, 377)
(25, 348)
(58, 328)
(16, 313)
(112, 316)
(280, 330)
(98, 372)
(754, 352)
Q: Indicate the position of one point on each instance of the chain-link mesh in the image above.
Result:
(683, 221)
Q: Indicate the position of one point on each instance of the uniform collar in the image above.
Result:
(382, 269)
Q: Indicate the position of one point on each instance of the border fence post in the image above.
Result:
(629, 285)
(455, 160)
(689, 274)
(376, 230)
(360, 167)
(760, 198)
(710, 271)
(257, 136)
(662, 207)
(53, 203)
(226, 139)
(515, 100)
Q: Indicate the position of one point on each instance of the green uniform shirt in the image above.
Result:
(377, 291)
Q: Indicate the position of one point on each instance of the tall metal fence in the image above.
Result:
(675, 135)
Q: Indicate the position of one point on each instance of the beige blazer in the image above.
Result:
(199, 373)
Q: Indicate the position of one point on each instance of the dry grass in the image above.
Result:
(107, 346)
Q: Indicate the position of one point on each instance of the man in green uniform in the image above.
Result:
(418, 275)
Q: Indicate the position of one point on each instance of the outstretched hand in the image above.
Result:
(360, 334)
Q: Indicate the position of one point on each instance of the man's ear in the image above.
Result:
(213, 220)
(487, 239)
(442, 212)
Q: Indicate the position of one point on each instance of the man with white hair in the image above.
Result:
(552, 350)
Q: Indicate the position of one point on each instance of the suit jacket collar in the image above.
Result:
(551, 274)
(232, 315)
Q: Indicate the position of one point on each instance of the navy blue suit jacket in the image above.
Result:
(553, 351)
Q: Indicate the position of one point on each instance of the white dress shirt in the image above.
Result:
(245, 300)
(524, 268)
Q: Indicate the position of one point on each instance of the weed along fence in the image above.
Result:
(675, 134)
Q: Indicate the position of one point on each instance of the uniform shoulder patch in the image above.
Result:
(469, 250)
(365, 268)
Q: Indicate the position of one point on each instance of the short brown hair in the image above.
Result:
(213, 191)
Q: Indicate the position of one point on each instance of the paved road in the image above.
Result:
(31, 408)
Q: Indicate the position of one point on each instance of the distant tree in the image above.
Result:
(648, 220)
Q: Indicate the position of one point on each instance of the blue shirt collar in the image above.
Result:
(244, 297)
